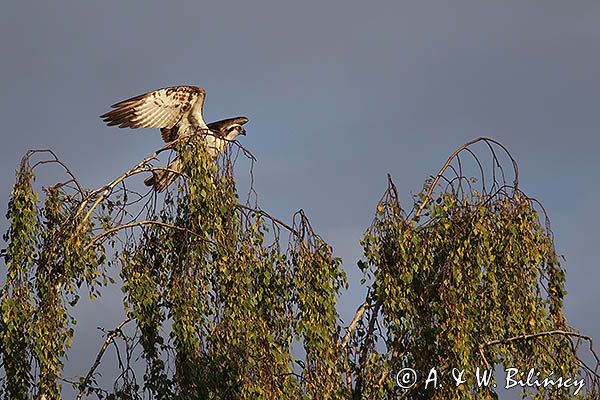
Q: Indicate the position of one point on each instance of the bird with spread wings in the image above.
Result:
(177, 112)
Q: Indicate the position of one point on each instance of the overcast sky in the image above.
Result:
(338, 94)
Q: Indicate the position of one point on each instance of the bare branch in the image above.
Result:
(134, 224)
(488, 141)
(558, 332)
(359, 313)
(109, 338)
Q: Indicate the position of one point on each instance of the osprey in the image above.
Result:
(226, 128)
(177, 111)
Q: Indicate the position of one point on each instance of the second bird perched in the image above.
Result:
(177, 112)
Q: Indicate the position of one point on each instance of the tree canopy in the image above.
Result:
(222, 300)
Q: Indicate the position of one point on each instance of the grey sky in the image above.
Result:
(338, 94)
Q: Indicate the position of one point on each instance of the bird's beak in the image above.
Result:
(243, 132)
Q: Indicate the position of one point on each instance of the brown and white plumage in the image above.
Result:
(221, 133)
(177, 112)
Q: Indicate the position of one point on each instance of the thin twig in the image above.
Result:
(547, 333)
(449, 161)
(109, 338)
(134, 224)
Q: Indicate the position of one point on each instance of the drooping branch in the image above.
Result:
(454, 155)
(107, 189)
(278, 222)
(54, 160)
(555, 332)
(109, 338)
(107, 232)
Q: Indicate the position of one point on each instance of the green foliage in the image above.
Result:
(475, 272)
(218, 301)
(46, 264)
(17, 302)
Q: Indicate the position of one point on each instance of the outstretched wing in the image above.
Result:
(219, 127)
(224, 125)
(161, 108)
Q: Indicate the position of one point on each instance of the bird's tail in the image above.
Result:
(163, 178)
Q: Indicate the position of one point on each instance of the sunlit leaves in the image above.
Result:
(47, 263)
(232, 295)
(227, 301)
(476, 269)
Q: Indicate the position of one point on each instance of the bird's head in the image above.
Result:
(236, 130)
(230, 128)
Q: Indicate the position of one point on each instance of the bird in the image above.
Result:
(177, 112)
(228, 128)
